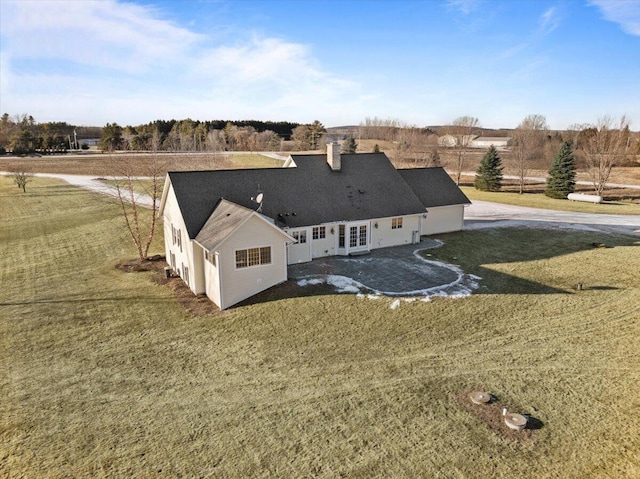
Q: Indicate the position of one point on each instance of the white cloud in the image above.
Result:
(108, 34)
(113, 61)
(625, 13)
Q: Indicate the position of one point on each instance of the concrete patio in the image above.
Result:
(394, 271)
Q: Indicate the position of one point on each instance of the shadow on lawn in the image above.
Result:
(476, 250)
(32, 302)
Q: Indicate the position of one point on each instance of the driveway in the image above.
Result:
(484, 214)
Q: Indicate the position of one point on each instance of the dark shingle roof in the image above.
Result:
(434, 187)
(368, 186)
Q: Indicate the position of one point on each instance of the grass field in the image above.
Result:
(539, 200)
(105, 375)
(136, 164)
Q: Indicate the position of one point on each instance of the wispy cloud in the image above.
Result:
(626, 13)
(464, 6)
(549, 20)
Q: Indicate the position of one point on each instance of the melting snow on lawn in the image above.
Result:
(461, 287)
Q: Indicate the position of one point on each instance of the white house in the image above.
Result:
(230, 234)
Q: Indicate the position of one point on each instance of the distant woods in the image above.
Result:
(21, 134)
(192, 135)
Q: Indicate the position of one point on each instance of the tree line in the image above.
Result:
(191, 135)
(194, 135)
(21, 134)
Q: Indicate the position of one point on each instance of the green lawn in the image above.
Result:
(539, 200)
(105, 375)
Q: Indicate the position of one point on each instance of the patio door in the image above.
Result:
(353, 238)
(358, 238)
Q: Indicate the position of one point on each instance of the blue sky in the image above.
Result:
(421, 62)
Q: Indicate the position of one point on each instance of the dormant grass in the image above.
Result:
(539, 200)
(105, 375)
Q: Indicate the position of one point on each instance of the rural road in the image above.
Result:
(484, 214)
(481, 214)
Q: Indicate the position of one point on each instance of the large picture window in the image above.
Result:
(253, 257)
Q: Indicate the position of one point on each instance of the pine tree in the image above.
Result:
(376, 148)
(562, 174)
(489, 174)
(349, 146)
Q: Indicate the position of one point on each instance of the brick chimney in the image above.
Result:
(333, 155)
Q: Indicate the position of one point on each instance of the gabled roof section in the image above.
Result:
(434, 187)
(226, 218)
(368, 186)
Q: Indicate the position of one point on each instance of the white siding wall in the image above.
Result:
(188, 255)
(239, 284)
(443, 219)
(384, 236)
(299, 252)
(212, 280)
(327, 246)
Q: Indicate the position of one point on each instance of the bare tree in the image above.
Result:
(528, 140)
(605, 144)
(139, 200)
(21, 178)
(464, 130)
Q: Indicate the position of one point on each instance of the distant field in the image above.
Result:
(137, 164)
(104, 374)
(539, 200)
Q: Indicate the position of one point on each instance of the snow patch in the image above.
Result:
(344, 284)
(395, 304)
(309, 281)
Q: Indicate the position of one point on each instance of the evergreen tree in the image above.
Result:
(349, 146)
(489, 174)
(376, 148)
(111, 137)
(562, 174)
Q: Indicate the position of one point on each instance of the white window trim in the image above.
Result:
(235, 261)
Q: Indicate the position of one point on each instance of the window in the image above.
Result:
(396, 223)
(253, 257)
(300, 236)
(210, 257)
(341, 236)
(176, 236)
(363, 235)
(319, 232)
(353, 237)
